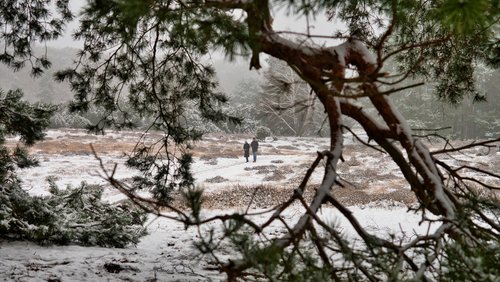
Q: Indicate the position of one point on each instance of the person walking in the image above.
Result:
(255, 146)
(246, 150)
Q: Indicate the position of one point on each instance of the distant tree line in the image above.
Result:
(473, 117)
(280, 102)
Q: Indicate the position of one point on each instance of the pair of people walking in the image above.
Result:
(246, 148)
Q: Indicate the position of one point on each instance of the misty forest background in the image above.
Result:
(273, 102)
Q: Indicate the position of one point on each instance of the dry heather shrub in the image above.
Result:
(371, 175)
(299, 171)
(206, 158)
(261, 196)
(296, 179)
(59, 146)
(352, 162)
(209, 160)
(262, 169)
(360, 150)
(217, 149)
(275, 176)
(401, 195)
(351, 197)
(217, 179)
(266, 196)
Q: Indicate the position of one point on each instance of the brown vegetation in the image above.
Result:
(267, 196)
(361, 184)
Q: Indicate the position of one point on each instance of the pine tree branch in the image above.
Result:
(486, 143)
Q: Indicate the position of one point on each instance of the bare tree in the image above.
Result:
(286, 102)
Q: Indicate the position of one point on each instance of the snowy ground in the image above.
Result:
(376, 193)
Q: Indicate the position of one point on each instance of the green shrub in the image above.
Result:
(69, 216)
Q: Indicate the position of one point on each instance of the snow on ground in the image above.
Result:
(167, 253)
(238, 171)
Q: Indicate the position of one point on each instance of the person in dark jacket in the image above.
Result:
(255, 146)
(246, 150)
